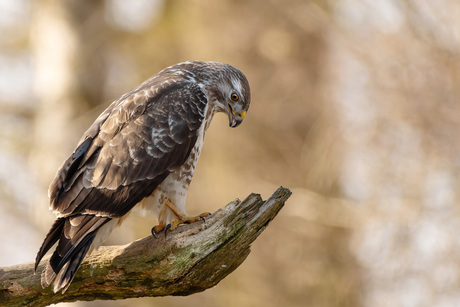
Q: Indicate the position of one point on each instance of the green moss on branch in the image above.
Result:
(191, 259)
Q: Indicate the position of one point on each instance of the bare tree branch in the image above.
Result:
(190, 259)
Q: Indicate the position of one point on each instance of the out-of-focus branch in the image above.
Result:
(190, 259)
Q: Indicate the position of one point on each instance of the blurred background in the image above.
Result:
(355, 108)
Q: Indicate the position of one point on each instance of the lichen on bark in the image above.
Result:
(190, 259)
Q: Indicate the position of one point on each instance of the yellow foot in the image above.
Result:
(182, 220)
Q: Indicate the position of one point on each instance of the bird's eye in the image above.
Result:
(234, 97)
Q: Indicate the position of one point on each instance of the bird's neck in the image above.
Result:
(210, 111)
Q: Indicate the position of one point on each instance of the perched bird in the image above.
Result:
(146, 143)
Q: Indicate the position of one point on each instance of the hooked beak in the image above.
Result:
(234, 119)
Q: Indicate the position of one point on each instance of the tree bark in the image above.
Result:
(190, 259)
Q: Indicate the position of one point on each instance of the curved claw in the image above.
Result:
(167, 228)
(203, 215)
(156, 230)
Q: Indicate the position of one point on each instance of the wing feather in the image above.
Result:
(139, 140)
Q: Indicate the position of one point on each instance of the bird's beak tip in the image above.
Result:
(235, 121)
(234, 118)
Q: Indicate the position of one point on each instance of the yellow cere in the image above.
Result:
(243, 114)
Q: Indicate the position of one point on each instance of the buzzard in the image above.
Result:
(146, 143)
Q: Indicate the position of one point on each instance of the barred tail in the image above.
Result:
(75, 235)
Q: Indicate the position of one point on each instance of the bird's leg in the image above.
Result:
(181, 219)
(177, 212)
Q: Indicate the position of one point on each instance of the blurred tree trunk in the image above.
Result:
(68, 78)
(54, 46)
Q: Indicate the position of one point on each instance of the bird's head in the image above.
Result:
(231, 93)
(225, 86)
(236, 95)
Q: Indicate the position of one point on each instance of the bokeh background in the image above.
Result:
(355, 108)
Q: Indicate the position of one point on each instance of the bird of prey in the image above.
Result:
(145, 144)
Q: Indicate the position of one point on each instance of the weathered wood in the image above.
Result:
(190, 259)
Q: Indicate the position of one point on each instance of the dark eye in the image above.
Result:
(234, 97)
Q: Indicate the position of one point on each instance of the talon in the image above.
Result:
(167, 228)
(203, 215)
(156, 230)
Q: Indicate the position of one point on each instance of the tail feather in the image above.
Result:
(51, 238)
(47, 276)
(75, 235)
(67, 272)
